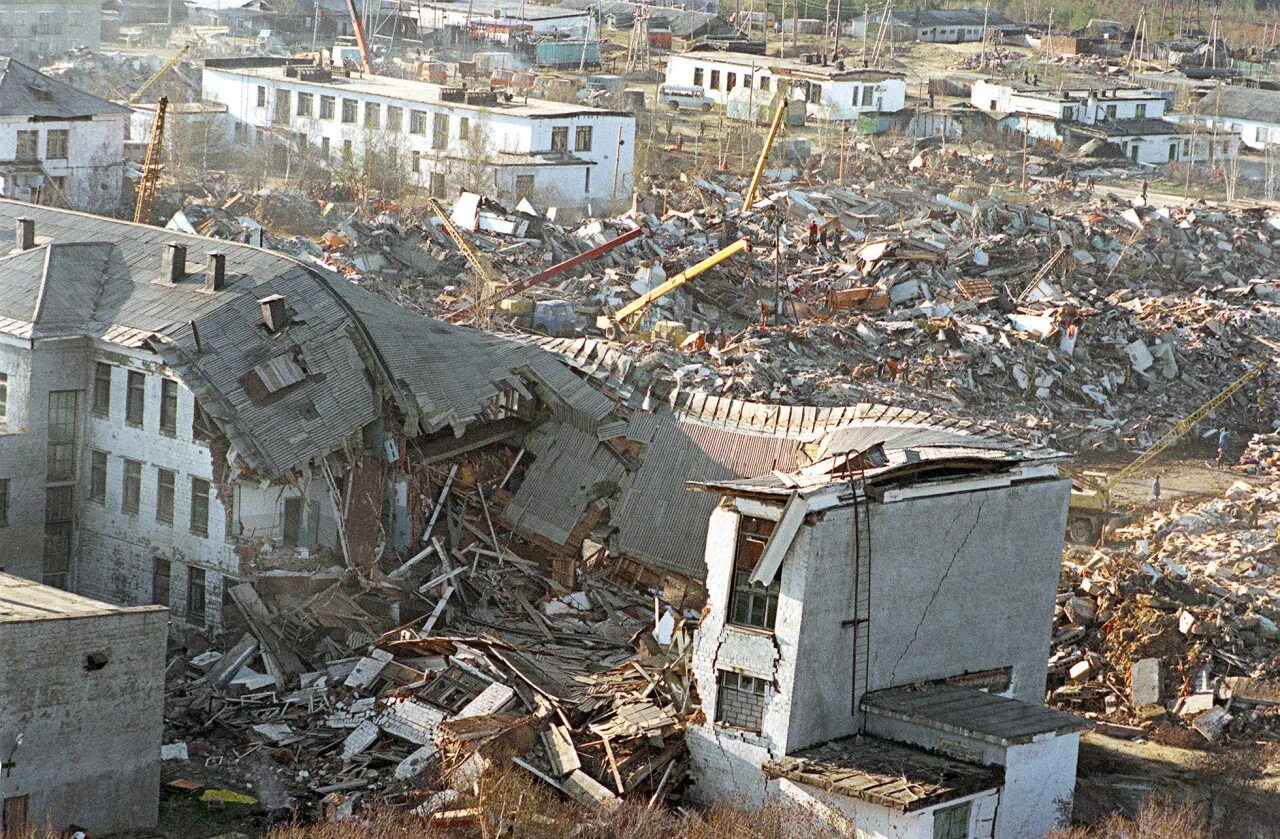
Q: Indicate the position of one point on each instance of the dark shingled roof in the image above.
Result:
(1240, 103)
(1144, 127)
(25, 91)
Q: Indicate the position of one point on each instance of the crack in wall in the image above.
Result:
(924, 613)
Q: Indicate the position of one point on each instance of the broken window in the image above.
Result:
(697, 77)
(164, 496)
(560, 138)
(28, 145)
(464, 128)
(440, 132)
(815, 93)
(62, 435)
(740, 701)
(131, 488)
(763, 84)
(299, 524)
(751, 604)
(102, 389)
(715, 79)
(58, 530)
(951, 822)
(328, 105)
(452, 689)
(582, 138)
(195, 595)
(56, 141)
(135, 399)
(199, 506)
(98, 477)
(262, 96)
(524, 186)
(730, 81)
(169, 407)
(201, 425)
(4, 502)
(160, 581)
(349, 108)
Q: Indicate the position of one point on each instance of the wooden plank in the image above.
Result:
(560, 750)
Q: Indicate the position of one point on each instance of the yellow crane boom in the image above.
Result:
(636, 307)
(749, 197)
(151, 166)
(476, 261)
(155, 77)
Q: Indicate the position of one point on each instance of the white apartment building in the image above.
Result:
(1084, 100)
(573, 157)
(58, 145)
(36, 31)
(836, 91)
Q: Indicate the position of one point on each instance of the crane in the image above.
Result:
(151, 166)
(616, 323)
(750, 197)
(489, 276)
(155, 77)
(1090, 506)
(357, 26)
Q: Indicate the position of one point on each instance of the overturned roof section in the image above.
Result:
(971, 712)
(282, 392)
(25, 91)
(888, 774)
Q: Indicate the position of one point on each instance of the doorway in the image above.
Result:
(14, 819)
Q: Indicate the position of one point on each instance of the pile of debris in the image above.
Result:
(113, 75)
(1178, 622)
(354, 687)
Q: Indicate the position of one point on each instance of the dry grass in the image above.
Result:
(1158, 819)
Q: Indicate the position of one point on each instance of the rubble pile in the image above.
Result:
(349, 688)
(1178, 623)
(115, 75)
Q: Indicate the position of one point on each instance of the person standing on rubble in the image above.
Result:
(1144, 193)
(813, 234)
(1155, 489)
(1224, 440)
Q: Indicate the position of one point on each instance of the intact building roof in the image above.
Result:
(971, 712)
(795, 67)
(23, 601)
(1251, 104)
(1144, 127)
(882, 772)
(25, 91)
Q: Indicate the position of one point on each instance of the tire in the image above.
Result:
(1082, 530)
(706, 106)
(675, 106)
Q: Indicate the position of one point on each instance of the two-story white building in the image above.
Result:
(833, 91)
(875, 641)
(58, 145)
(1078, 99)
(574, 157)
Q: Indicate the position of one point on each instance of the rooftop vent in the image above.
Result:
(173, 264)
(315, 74)
(453, 94)
(480, 97)
(274, 315)
(215, 272)
(25, 237)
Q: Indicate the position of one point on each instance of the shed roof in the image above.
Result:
(1252, 104)
(23, 601)
(25, 91)
(971, 712)
(1144, 127)
(893, 775)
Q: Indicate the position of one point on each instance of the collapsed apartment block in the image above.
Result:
(81, 709)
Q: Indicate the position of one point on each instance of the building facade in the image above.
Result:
(832, 91)
(37, 31)
(574, 157)
(58, 145)
(831, 612)
(81, 711)
(1085, 101)
(1251, 114)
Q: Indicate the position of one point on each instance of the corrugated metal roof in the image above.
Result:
(25, 91)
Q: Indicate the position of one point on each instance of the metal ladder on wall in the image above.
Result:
(861, 621)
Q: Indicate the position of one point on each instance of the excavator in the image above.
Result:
(1090, 507)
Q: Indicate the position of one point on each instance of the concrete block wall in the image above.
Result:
(91, 738)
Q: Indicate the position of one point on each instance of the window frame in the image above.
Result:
(395, 118)
(372, 115)
(746, 599)
(733, 682)
(28, 142)
(352, 107)
(165, 495)
(61, 436)
(99, 465)
(328, 107)
(63, 136)
(4, 397)
(158, 564)
(197, 581)
(197, 526)
(169, 407)
(4, 502)
(304, 104)
(439, 131)
(102, 374)
(135, 399)
(582, 138)
(560, 138)
(131, 487)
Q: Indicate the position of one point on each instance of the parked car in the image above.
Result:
(677, 96)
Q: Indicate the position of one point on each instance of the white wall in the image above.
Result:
(1072, 106)
(1039, 783)
(94, 166)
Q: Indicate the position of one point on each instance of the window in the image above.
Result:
(131, 488)
(160, 575)
(58, 532)
(102, 389)
(98, 477)
(697, 77)
(815, 93)
(169, 407)
(417, 122)
(195, 595)
(327, 106)
(62, 435)
(415, 161)
(395, 118)
(763, 84)
(1140, 110)
(464, 128)
(305, 101)
(28, 145)
(372, 115)
(524, 186)
(586, 182)
(730, 81)
(56, 141)
(199, 506)
(4, 502)
(324, 147)
(440, 131)
(349, 107)
(740, 701)
(715, 79)
(560, 138)
(262, 96)
(582, 138)
(4, 396)
(299, 525)
(164, 496)
(347, 153)
(135, 399)
(1111, 112)
(951, 822)
(751, 604)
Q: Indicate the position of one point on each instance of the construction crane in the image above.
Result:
(155, 77)
(488, 275)
(151, 166)
(749, 197)
(357, 26)
(1090, 507)
(625, 319)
